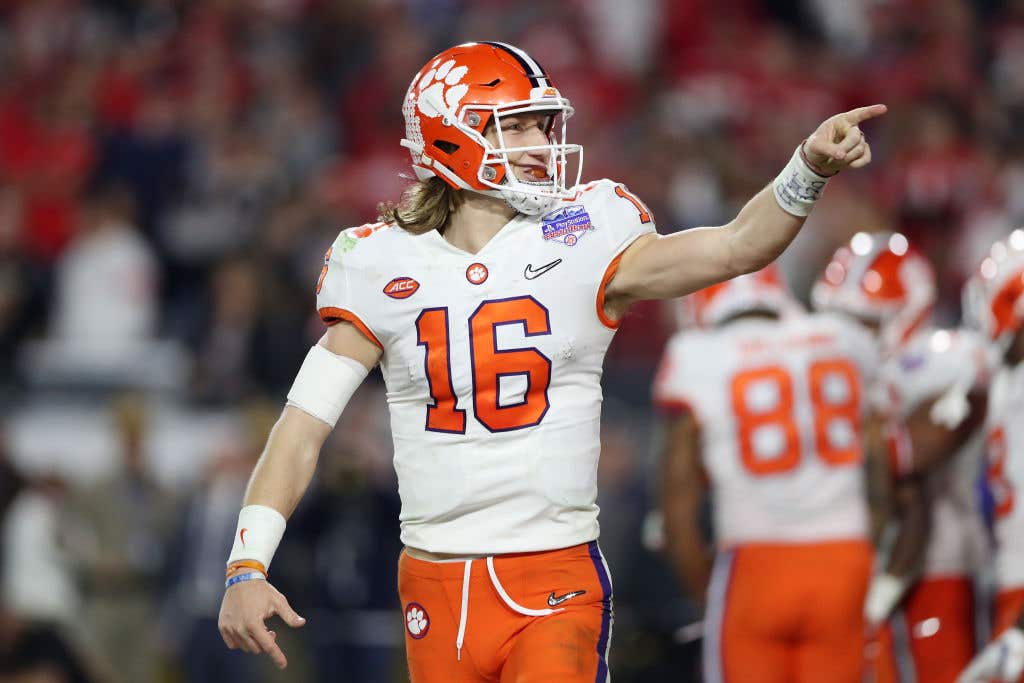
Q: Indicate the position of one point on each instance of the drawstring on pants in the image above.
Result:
(512, 604)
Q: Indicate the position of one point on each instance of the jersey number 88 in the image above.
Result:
(780, 415)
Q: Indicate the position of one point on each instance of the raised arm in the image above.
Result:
(330, 374)
(668, 266)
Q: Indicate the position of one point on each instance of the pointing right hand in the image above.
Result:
(243, 612)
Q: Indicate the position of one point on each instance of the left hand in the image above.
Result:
(1002, 660)
(839, 143)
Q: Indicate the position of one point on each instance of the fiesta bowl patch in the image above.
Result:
(566, 225)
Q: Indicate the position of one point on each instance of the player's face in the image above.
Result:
(524, 130)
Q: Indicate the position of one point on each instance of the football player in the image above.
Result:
(488, 297)
(765, 406)
(932, 386)
(994, 300)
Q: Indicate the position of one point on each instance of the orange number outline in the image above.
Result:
(748, 421)
(488, 363)
(323, 272)
(432, 334)
(782, 413)
(645, 213)
(825, 412)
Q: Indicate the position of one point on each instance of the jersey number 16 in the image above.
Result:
(489, 365)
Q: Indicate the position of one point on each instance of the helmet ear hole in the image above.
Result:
(446, 146)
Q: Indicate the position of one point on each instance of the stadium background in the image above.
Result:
(171, 173)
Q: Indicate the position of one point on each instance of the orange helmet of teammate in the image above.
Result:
(881, 279)
(993, 298)
(457, 95)
(763, 291)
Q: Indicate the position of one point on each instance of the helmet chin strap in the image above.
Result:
(523, 202)
(529, 204)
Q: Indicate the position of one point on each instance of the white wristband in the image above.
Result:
(325, 383)
(259, 532)
(797, 188)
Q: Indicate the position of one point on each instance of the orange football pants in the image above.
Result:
(1009, 605)
(787, 613)
(553, 622)
(938, 615)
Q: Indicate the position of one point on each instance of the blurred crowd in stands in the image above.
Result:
(171, 173)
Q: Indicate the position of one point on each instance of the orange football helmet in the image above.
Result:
(993, 298)
(761, 291)
(879, 277)
(463, 90)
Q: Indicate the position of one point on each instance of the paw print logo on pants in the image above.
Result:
(416, 620)
(441, 89)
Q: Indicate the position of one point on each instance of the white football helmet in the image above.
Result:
(879, 278)
(993, 297)
(760, 291)
(463, 90)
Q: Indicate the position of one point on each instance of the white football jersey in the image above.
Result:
(931, 364)
(1006, 473)
(780, 404)
(492, 363)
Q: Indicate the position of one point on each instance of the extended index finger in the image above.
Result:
(855, 116)
(268, 643)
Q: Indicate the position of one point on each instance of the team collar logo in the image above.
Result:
(476, 273)
(566, 225)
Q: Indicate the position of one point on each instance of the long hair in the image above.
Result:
(426, 205)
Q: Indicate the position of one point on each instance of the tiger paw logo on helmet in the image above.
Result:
(417, 623)
(458, 99)
(441, 89)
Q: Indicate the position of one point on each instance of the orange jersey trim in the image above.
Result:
(609, 273)
(332, 316)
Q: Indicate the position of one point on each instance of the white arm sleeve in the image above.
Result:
(325, 383)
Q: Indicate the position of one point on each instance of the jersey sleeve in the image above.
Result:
(677, 382)
(620, 218)
(620, 214)
(342, 290)
(939, 362)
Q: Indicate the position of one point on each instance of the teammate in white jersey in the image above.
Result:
(488, 296)
(932, 386)
(994, 301)
(765, 407)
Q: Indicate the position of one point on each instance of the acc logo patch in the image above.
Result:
(417, 622)
(401, 288)
(566, 225)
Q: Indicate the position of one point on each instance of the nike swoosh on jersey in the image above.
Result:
(555, 602)
(530, 272)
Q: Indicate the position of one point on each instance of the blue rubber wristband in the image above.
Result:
(249, 576)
